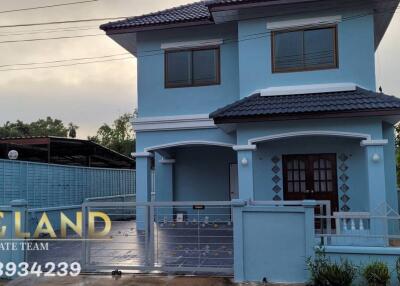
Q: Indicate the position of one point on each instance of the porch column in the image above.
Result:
(245, 171)
(164, 185)
(376, 185)
(143, 186)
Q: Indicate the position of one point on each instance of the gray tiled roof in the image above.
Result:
(359, 100)
(194, 12)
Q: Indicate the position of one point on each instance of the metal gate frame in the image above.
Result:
(150, 264)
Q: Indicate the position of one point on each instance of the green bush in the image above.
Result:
(376, 274)
(326, 273)
(398, 269)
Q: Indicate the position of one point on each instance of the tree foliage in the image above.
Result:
(41, 127)
(118, 137)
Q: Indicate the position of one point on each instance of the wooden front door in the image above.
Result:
(311, 177)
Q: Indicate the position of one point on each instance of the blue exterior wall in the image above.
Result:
(361, 256)
(263, 174)
(202, 174)
(355, 49)
(150, 139)
(357, 172)
(156, 100)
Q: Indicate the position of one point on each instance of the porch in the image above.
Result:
(347, 169)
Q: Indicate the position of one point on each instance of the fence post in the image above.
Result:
(238, 253)
(309, 207)
(85, 244)
(151, 246)
(20, 206)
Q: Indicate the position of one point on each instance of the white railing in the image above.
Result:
(351, 221)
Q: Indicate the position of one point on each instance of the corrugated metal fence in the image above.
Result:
(47, 185)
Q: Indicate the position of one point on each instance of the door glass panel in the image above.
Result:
(316, 186)
(323, 175)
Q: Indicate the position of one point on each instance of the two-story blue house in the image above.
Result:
(264, 100)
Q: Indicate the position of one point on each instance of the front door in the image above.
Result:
(311, 177)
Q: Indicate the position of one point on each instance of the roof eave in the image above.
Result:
(309, 115)
(114, 31)
(230, 6)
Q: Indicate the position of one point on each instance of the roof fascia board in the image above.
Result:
(322, 115)
(158, 27)
(253, 5)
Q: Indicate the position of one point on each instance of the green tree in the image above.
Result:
(41, 127)
(118, 137)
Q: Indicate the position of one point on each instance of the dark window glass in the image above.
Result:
(192, 67)
(304, 49)
(320, 47)
(205, 67)
(179, 68)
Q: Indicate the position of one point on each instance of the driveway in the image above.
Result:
(127, 280)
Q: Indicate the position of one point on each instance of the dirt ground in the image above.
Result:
(126, 280)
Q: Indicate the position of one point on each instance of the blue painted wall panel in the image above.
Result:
(156, 100)
(46, 185)
(355, 49)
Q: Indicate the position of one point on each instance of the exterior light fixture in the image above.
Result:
(245, 162)
(376, 158)
(13, 155)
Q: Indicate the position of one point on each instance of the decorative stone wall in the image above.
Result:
(277, 179)
(343, 181)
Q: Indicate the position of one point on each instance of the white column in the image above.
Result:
(143, 186)
(164, 186)
(376, 186)
(245, 171)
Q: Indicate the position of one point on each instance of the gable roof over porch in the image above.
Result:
(353, 103)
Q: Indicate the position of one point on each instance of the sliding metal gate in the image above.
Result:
(172, 237)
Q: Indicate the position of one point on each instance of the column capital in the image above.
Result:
(371, 142)
(142, 155)
(245, 147)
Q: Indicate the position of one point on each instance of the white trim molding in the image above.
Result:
(179, 122)
(305, 22)
(244, 147)
(191, 44)
(188, 143)
(167, 161)
(308, 89)
(142, 155)
(310, 133)
(380, 142)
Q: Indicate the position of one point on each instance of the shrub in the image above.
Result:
(376, 274)
(327, 273)
(398, 269)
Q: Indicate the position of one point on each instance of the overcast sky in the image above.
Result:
(97, 93)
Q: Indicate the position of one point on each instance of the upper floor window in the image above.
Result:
(192, 67)
(306, 49)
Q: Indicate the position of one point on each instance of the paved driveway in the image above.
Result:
(127, 280)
